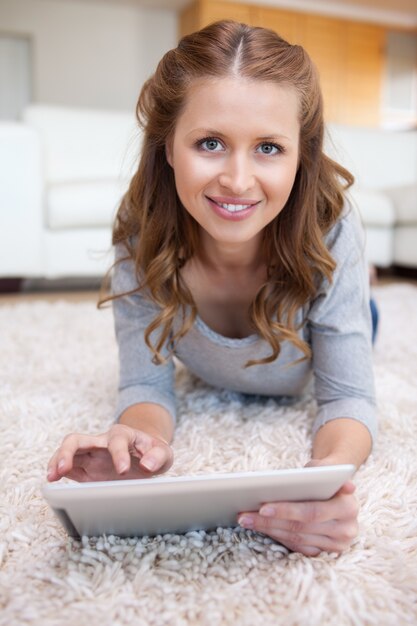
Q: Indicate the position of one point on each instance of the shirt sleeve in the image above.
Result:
(339, 323)
(140, 380)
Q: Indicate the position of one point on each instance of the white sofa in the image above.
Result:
(64, 171)
(384, 164)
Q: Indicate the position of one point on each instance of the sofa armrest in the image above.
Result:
(378, 218)
(21, 211)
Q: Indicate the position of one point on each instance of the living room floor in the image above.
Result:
(50, 292)
(49, 296)
(53, 290)
(91, 294)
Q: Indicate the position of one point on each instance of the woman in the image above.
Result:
(237, 252)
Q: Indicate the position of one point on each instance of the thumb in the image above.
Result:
(347, 489)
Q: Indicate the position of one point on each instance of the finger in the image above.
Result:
(155, 454)
(296, 540)
(118, 447)
(340, 507)
(62, 460)
(124, 442)
(143, 442)
(339, 531)
(156, 458)
(308, 550)
(51, 469)
(77, 472)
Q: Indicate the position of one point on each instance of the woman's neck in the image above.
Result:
(230, 258)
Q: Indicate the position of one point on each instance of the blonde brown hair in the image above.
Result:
(159, 234)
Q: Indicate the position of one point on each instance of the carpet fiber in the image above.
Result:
(59, 374)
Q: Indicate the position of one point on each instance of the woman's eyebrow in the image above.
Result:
(275, 137)
(206, 131)
(216, 133)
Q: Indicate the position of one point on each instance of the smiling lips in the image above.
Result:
(232, 207)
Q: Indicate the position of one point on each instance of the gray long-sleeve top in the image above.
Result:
(337, 327)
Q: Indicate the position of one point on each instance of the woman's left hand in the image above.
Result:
(309, 527)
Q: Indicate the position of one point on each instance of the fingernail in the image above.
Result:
(247, 521)
(122, 467)
(150, 464)
(49, 472)
(61, 464)
(267, 511)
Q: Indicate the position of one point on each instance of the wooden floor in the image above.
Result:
(79, 290)
(49, 296)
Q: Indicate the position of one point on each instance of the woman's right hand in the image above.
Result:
(120, 453)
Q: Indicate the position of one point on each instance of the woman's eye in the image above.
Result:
(211, 145)
(269, 148)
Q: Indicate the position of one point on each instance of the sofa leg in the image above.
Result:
(10, 285)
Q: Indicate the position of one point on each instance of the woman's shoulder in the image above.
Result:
(126, 277)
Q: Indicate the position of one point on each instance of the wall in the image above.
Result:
(372, 11)
(400, 93)
(90, 54)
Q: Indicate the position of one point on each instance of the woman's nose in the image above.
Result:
(237, 175)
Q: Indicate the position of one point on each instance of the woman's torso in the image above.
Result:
(223, 299)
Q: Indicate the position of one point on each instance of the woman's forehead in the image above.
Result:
(236, 81)
(236, 101)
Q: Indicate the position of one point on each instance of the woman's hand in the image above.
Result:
(310, 527)
(120, 453)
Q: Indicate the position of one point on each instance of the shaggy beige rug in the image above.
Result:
(59, 374)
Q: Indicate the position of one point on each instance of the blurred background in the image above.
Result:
(70, 75)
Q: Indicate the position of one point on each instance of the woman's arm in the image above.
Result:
(149, 418)
(340, 330)
(146, 390)
(342, 440)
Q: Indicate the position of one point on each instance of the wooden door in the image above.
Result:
(286, 23)
(324, 40)
(365, 45)
(204, 12)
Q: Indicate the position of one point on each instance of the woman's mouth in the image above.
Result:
(238, 208)
(234, 207)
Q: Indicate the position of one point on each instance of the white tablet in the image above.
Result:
(151, 506)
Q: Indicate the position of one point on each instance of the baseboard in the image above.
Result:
(399, 271)
(11, 285)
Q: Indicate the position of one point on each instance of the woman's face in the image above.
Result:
(234, 153)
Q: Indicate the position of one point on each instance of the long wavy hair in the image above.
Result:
(159, 234)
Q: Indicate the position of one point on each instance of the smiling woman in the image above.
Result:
(240, 170)
(237, 253)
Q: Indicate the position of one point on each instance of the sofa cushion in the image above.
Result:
(375, 207)
(83, 204)
(378, 158)
(85, 144)
(405, 248)
(404, 199)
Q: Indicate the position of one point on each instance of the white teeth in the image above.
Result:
(234, 207)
